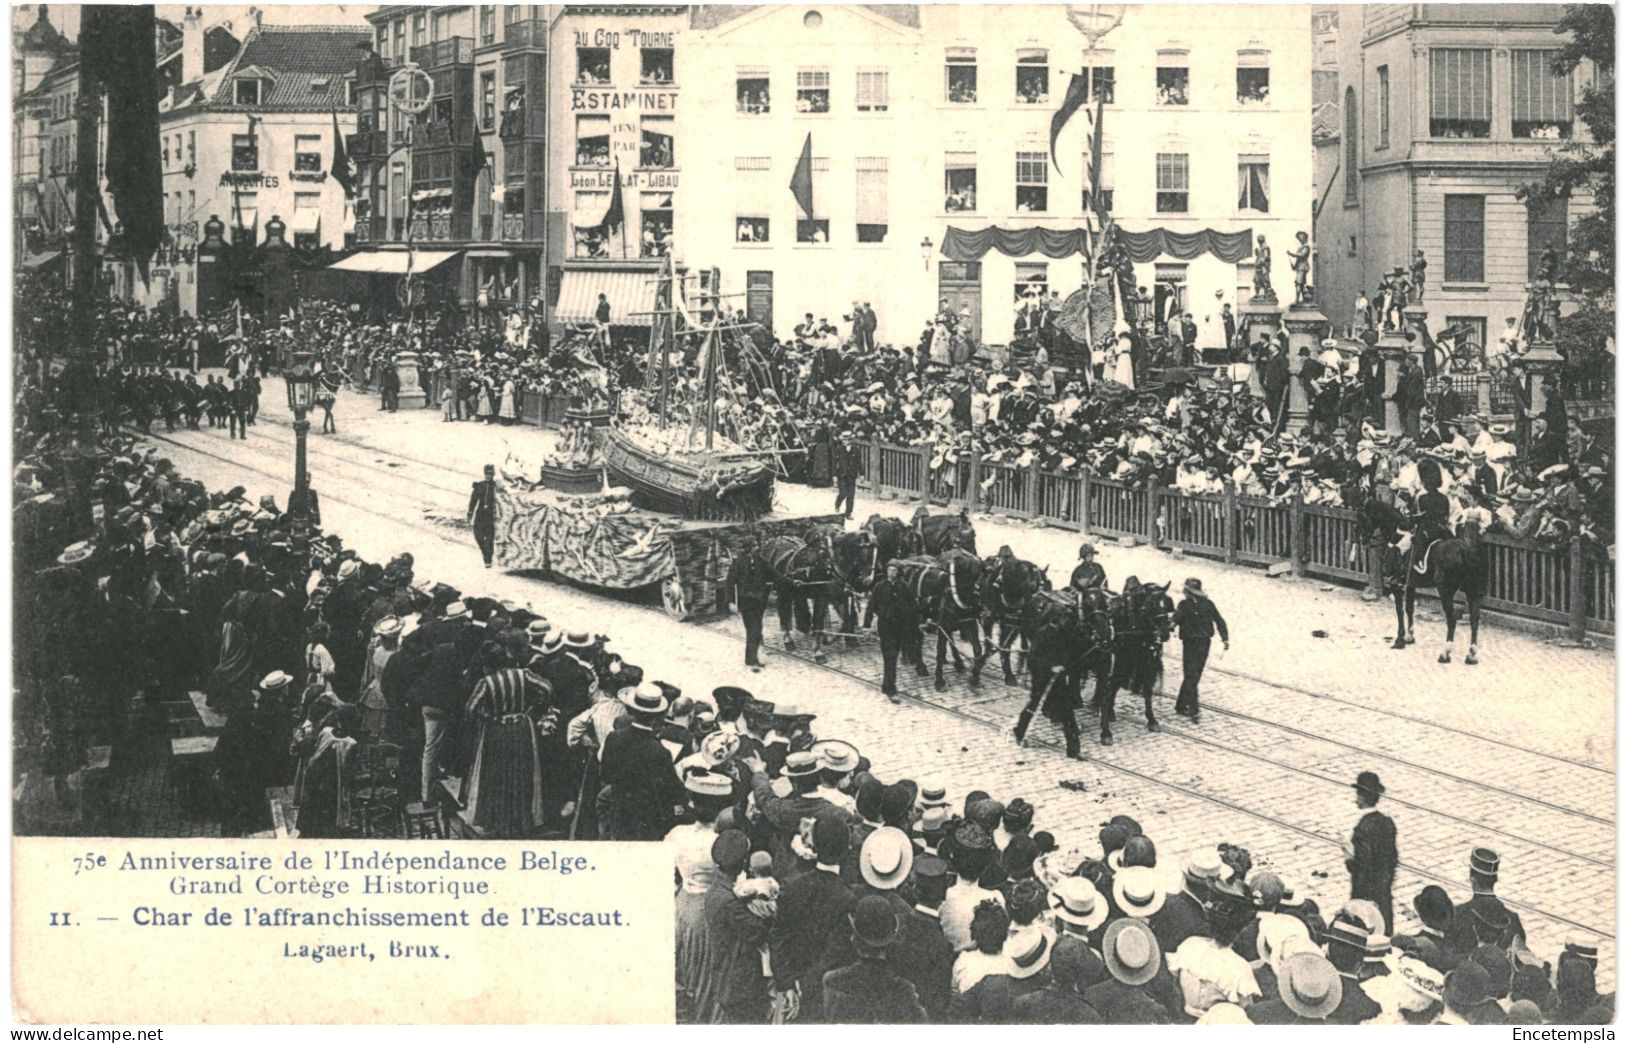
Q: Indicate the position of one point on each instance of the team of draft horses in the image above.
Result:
(975, 608)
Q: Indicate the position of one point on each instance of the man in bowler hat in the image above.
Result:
(1372, 854)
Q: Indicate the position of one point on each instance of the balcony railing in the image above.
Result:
(367, 143)
(455, 50)
(431, 135)
(529, 33)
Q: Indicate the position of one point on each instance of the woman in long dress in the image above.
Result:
(487, 409)
(690, 844)
(510, 403)
(503, 788)
(1123, 362)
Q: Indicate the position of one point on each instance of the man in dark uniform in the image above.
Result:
(1197, 618)
(1372, 854)
(1088, 575)
(847, 464)
(482, 513)
(747, 585)
(1432, 515)
(898, 621)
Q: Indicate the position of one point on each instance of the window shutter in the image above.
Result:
(872, 200)
(1464, 238)
(1537, 95)
(1460, 83)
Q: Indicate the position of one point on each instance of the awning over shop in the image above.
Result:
(628, 293)
(309, 220)
(35, 262)
(393, 262)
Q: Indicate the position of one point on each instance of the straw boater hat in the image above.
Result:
(708, 784)
(553, 642)
(1077, 903)
(457, 610)
(578, 639)
(1138, 891)
(1131, 951)
(389, 626)
(76, 553)
(837, 756)
(1310, 985)
(274, 680)
(1028, 952)
(645, 698)
(537, 630)
(886, 858)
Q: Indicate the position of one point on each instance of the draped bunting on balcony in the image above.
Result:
(962, 244)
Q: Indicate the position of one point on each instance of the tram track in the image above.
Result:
(999, 725)
(1212, 668)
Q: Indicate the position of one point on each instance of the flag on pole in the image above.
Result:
(117, 48)
(341, 171)
(615, 217)
(1097, 146)
(801, 180)
(1077, 93)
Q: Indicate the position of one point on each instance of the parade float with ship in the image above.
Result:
(652, 492)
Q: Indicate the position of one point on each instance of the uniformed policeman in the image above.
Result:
(747, 585)
(482, 513)
(1088, 575)
(897, 623)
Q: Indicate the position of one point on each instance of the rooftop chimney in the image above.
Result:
(192, 45)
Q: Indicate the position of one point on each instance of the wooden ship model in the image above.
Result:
(688, 469)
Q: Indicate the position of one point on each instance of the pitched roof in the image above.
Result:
(709, 16)
(291, 58)
(1327, 123)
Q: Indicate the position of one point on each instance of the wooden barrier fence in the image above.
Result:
(536, 409)
(1526, 580)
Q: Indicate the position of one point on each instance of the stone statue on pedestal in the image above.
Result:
(1303, 293)
(1419, 276)
(1262, 291)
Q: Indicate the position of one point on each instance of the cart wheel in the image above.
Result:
(672, 596)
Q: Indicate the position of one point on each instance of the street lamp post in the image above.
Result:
(301, 381)
(925, 252)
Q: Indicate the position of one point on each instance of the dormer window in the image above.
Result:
(319, 84)
(248, 92)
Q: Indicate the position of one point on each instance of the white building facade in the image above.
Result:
(932, 123)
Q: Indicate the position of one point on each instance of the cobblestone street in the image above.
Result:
(1515, 753)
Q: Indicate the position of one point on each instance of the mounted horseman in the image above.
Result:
(1418, 550)
(1008, 585)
